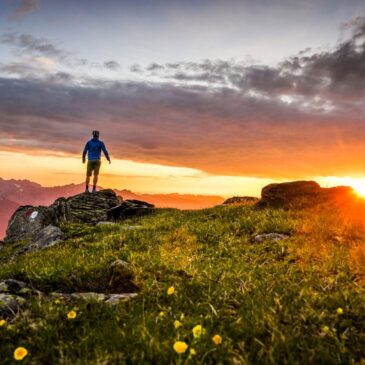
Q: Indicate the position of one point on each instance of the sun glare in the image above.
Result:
(359, 187)
(357, 183)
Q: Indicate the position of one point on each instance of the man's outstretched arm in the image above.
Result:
(84, 152)
(105, 151)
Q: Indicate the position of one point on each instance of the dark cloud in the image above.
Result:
(112, 65)
(29, 44)
(303, 117)
(25, 7)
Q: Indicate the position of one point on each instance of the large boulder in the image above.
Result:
(241, 200)
(129, 208)
(88, 208)
(47, 237)
(27, 221)
(301, 194)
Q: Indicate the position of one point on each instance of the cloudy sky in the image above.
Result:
(201, 96)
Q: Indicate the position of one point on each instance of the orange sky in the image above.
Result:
(187, 119)
(142, 177)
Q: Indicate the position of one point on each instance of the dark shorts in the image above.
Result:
(93, 165)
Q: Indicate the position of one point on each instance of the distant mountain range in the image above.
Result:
(14, 193)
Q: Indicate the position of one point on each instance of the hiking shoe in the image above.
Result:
(86, 190)
(94, 190)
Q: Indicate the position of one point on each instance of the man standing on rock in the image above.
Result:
(93, 149)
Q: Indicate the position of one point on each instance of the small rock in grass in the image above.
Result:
(115, 299)
(131, 228)
(121, 265)
(10, 304)
(99, 297)
(11, 286)
(270, 237)
(112, 299)
(105, 223)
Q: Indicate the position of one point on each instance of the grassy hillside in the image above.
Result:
(270, 302)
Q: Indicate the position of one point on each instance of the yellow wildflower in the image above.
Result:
(57, 301)
(339, 311)
(217, 339)
(71, 315)
(170, 290)
(180, 347)
(177, 324)
(325, 329)
(2, 322)
(198, 330)
(161, 314)
(20, 353)
(192, 352)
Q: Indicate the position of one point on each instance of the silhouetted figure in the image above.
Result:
(93, 149)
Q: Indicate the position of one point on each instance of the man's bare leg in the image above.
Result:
(87, 183)
(95, 181)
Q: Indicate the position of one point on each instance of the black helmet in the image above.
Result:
(96, 134)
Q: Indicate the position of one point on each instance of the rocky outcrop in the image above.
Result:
(301, 194)
(241, 200)
(89, 208)
(27, 221)
(129, 208)
(39, 226)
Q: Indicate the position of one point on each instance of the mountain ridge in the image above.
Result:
(15, 192)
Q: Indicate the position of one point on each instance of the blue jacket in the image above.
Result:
(93, 149)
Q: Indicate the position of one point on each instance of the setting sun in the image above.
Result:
(359, 187)
(357, 183)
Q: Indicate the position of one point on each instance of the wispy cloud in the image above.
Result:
(25, 7)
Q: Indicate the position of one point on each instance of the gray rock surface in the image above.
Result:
(270, 237)
(47, 237)
(27, 221)
(112, 299)
(89, 208)
(115, 299)
(241, 200)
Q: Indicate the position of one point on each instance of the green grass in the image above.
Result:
(268, 301)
